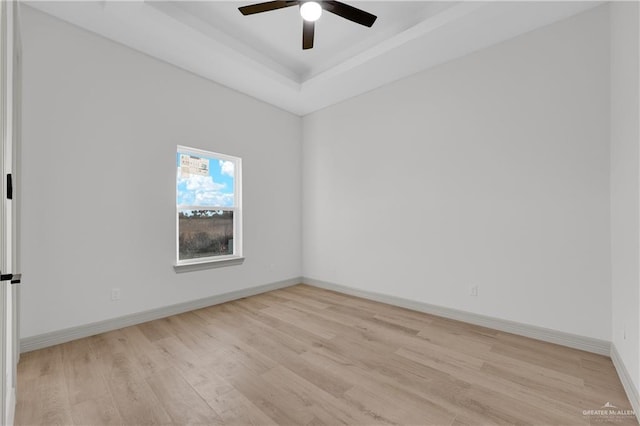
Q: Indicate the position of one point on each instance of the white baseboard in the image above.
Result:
(584, 343)
(61, 336)
(625, 378)
(601, 347)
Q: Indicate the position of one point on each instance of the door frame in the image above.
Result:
(9, 245)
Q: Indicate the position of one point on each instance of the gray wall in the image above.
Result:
(101, 125)
(491, 170)
(625, 184)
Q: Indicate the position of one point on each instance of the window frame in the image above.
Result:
(220, 260)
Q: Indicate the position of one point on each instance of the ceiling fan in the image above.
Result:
(311, 12)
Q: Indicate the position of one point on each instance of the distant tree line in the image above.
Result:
(220, 214)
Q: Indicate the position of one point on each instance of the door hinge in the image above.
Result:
(14, 278)
(9, 187)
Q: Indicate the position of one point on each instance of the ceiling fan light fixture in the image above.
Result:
(310, 11)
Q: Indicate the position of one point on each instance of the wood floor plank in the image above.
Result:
(305, 301)
(147, 356)
(403, 325)
(136, 402)
(398, 376)
(236, 410)
(292, 330)
(271, 342)
(514, 409)
(232, 406)
(328, 380)
(470, 343)
(99, 411)
(154, 330)
(280, 406)
(84, 381)
(182, 327)
(43, 401)
(293, 316)
(183, 404)
(325, 407)
(397, 408)
(566, 409)
(308, 356)
(40, 363)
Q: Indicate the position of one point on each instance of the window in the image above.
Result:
(208, 208)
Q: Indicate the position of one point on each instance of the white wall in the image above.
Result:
(491, 170)
(625, 184)
(101, 125)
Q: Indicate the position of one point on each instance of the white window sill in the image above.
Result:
(198, 265)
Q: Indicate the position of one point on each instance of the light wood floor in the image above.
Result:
(305, 356)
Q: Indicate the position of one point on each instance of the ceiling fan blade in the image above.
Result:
(266, 6)
(307, 34)
(351, 13)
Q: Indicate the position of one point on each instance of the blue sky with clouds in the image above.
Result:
(206, 191)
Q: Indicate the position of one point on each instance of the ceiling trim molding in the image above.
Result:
(164, 31)
(420, 30)
(223, 41)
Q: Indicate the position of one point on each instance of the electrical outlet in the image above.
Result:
(115, 294)
(474, 291)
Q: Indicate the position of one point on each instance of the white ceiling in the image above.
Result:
(278, 34)
(261, 55)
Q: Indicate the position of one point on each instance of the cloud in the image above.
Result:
(198, 190)
(202, 183)
(226, 168)
(214, 199)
